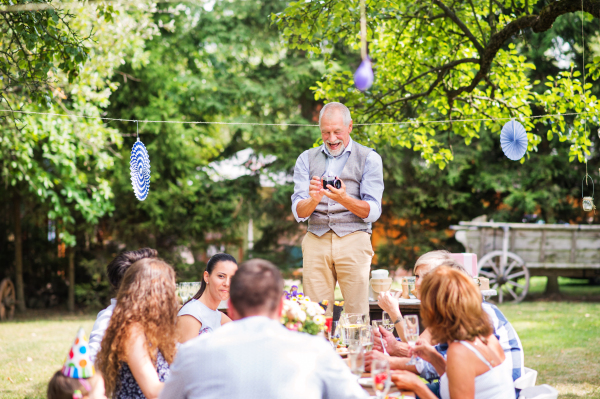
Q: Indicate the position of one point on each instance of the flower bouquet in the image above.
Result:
(300, 314)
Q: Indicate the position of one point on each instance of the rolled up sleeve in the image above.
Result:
(371, 186)
(301, 184)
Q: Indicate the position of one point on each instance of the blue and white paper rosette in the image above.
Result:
(513, 140)
(139, 166)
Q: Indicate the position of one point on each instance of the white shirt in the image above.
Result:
(371, 185)
(258, 358)
(99, 328)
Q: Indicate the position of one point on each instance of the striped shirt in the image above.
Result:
(503, 331)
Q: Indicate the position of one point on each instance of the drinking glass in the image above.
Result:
(382, 381)
(388, 323)
(411, 331)
(356, 356)
(367, 338)
(352, 323)
(334, 334)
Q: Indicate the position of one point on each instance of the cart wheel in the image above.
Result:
(507, 278)
(7, 300)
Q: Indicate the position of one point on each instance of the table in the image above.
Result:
(375, 312)
(393, 389)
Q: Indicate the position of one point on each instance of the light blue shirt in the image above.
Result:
(371, 185)
(257, 358)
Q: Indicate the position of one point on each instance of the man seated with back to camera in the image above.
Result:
(255, 356)
(432, 359)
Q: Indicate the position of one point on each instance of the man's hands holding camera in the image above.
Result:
(316, 190)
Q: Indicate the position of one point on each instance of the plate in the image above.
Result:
(410, 301)
(366, 381)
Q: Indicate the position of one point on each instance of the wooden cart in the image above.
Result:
(509, 253)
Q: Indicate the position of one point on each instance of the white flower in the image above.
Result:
(301, 316)
(319, 319)
(311, 311)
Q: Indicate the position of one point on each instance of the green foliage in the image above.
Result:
(36, 47)
(225, 64)
(436, 62)
(62, 162)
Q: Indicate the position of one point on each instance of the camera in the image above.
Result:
(332, 181)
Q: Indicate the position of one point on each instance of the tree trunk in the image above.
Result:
(19, 255)
(552, 285)
(71, 279)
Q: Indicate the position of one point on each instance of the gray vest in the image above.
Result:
(330, 215)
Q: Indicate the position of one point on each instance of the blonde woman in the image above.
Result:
(139, 343)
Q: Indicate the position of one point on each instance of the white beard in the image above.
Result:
(338, 151)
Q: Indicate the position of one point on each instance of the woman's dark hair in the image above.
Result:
(61, 387)
(119, 265)
(210, 266)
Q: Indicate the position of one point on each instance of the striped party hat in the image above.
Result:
(78, 363)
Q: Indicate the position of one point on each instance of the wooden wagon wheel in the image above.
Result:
(505, 277)
(7, 300)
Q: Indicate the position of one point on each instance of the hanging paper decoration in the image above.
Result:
(513, 140)
(363, 77)
(139, 167)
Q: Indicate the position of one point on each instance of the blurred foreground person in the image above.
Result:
(115, 272)
(78, 378)
(256, 357)
(139, 343)
(476, 367)
(200, 315)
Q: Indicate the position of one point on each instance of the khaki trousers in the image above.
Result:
(329, 259)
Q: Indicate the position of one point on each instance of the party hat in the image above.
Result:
(78, 363)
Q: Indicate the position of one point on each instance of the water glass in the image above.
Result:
(411, 331)
(382, 380)
(367, 338)
(356, 356)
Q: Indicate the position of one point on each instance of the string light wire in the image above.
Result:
(415, 122)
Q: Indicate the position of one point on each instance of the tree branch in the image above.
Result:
(460, 24)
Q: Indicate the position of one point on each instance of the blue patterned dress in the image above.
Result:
(128, 387)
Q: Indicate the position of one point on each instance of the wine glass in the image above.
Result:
(388, 323)
(356, 355)
(382, 381)
(411, 331)
(367, 338)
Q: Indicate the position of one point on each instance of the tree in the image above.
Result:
(453, 61)
(57, 163)
(221, 64)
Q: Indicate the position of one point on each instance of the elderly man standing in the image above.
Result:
(337, 246)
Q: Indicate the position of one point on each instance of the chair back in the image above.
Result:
(540, 392)
(469, 262)
(527, 379)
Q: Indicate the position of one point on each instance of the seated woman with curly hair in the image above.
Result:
(476, 367)
(139, 343)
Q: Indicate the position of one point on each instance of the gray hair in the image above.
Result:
(337, 107)
(435, 259)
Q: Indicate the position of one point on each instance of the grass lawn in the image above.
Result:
(32, 350)
(561, 341)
